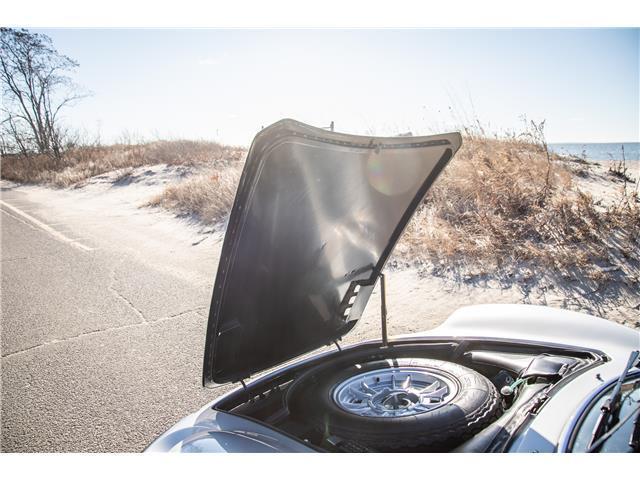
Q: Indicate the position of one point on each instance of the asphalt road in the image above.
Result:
(102, 330)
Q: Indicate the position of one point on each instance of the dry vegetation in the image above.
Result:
(507, 202)
(208, 195)
(81, 163)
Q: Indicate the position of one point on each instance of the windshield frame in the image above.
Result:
(592, 405)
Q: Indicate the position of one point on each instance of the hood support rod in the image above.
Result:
(383, 310)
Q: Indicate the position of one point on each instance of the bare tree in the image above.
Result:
(34, 91)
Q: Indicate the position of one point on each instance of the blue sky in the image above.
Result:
(225, 84)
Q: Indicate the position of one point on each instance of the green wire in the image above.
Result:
(513, 386)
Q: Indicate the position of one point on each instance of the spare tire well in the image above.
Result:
(271, 398)
(393, 415)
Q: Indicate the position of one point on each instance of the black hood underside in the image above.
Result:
(315, 217)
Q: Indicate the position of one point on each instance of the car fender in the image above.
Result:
(535, 323)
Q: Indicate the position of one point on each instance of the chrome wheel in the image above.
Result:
(394, 392)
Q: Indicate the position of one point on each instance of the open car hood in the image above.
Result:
(315, 217)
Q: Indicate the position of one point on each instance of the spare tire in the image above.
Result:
(397, 404)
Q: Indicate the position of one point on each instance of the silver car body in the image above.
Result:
(210, 430)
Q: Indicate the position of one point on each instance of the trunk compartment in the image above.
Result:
(266, 399)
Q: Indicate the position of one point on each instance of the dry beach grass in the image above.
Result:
(507, 202)
(81, 163)
(209, 195)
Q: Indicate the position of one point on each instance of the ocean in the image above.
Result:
(598, 151)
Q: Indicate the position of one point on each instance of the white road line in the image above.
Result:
(54, 233)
